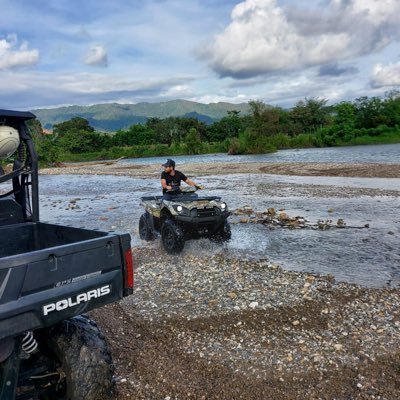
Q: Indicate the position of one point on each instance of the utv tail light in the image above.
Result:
(129, 269)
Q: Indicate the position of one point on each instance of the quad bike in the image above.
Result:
(180, 215)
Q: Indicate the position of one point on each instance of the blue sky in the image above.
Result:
(65, 52)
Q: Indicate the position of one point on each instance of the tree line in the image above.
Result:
(310, 123)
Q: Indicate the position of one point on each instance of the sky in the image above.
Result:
(71, 52)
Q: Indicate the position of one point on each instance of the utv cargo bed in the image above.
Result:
(50, 272)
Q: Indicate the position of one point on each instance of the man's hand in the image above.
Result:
(199, 187)
(173, 188)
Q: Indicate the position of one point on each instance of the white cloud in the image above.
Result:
(27, 90)
(375, 11)
(97, 56)
(282, 51)
(210, 99)
(13, 57)
(264, 38)
(178, 91)
(386, 75)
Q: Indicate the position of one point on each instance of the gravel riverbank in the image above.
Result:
(224, 328)
(201, 169)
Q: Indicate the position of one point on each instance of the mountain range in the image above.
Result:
(113, 116)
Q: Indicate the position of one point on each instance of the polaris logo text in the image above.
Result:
(78, 299)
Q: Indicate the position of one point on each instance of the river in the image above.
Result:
(356, 254)
(386, 153)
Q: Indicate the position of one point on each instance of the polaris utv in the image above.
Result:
(49, 276)
(182, 215)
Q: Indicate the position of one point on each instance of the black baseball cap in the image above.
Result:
(169, 163)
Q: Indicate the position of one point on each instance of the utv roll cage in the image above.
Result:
(24, 195)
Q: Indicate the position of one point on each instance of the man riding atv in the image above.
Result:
(179, 215)
(171, 178)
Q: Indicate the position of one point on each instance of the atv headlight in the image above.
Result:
(223, 206)
(181, 210)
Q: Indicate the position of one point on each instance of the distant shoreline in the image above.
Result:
(370, 170)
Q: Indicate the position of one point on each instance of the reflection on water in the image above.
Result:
(368, 256)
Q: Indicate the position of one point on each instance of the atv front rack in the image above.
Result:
(180, 197)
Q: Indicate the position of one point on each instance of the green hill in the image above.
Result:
(111, 117)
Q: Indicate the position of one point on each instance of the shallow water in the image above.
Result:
(366, 256)
(385, 153)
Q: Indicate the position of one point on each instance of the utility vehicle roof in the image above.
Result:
(22, 115)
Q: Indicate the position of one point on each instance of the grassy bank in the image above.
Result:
(143, 151)
(274, 143)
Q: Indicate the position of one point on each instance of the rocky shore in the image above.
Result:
(223, 328)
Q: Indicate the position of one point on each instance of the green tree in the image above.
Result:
(75, 142)
(227, 127)
(391, 106)
(76, 124)
(344, 121)
(168, 131)
(265, 119)
(265, 124)
(174, 129)
(77, 136)
(369, 112)
(136, 135)
(310, 114)
(36, 129)
(193, 142)
(47, 149)
(45, 144)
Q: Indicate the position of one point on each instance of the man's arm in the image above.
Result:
(191, 183)
(164, 185)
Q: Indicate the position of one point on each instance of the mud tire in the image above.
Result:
(172, 237)
(85, 359)
(224, 234)
(145, 230)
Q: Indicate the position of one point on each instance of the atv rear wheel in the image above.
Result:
(145, 230)
(86, 369)
(172, 237)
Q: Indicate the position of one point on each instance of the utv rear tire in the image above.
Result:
(172, 237)
(85, 359)
(145, 230)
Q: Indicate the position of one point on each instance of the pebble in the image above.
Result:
(221, 289)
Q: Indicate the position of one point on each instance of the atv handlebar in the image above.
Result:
(189, 189)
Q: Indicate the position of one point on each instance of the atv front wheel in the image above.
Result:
(86, 369)
(145, 230)
(172, 237)
(223, 234)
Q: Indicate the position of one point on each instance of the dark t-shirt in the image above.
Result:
(173, 180)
